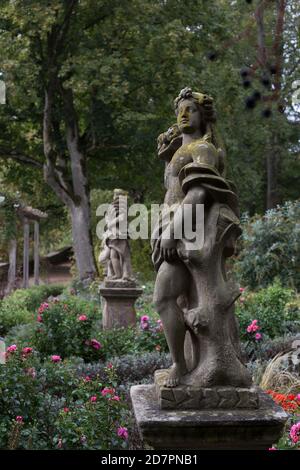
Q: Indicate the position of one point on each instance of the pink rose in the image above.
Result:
(55, 358)
(249, 328)
(66, 409)
(19, 419)
(95, 344)
(145, 326)
(87, 378)
(258, 336)
(295, 433)
(144, 318)
(43, 307)
(93, 399)
(242, 289)
(123, 433)
(27, 350)
(298, 397)
(115, 398)
(107, 391)
(82, 318)
(39, 318)
(12, 348)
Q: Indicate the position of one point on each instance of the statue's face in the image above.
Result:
(188, 117)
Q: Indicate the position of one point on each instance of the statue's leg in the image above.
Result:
(110, 270)
(172, 280)
(115, 260)
(127, 269)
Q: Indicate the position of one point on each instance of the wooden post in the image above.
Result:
(11, 278)
(36, 253)
(26, 254)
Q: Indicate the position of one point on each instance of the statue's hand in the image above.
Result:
(168, 249)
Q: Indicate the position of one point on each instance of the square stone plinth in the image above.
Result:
(236, 429)
(118, 300)
(185, 397)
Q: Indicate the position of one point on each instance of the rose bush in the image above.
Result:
(44, 405)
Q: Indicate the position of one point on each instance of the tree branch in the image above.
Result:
(20, 158)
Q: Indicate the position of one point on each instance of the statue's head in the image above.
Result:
(194, 111)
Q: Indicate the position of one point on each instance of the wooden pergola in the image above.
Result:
(28, 215)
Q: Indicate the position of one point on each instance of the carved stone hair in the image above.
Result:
(206, 103)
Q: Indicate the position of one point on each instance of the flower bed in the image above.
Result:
(44, 405)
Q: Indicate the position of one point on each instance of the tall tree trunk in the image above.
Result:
(75, 195)
(82, 242)
(273, 152)
(272, 174)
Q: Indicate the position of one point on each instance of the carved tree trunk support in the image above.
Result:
(36, 253)
(118, 306)
(26, 254)
(12, 271)
(211, 317)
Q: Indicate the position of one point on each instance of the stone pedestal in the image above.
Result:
(185, 397)
(206, 429)
(118, 299)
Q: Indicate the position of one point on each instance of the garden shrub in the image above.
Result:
(137, 368)
(47, 406)
(67, 327)
(71, 326)
(270, 248)
(271, 307)
(12, 314)
(32, 298)
(19, 306)
(129, 368)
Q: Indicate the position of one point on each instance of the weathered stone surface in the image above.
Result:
(193, 295)
(119, 283)
(192, 397)
(115, 252)
(235, 429)
(118, 306)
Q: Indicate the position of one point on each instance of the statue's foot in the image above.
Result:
(127, 278)
(175, 373)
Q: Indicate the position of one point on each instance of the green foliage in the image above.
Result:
(130, 368)
(12, 314)
(56, 408)
(141, 259)
(271, 307)
(32, 297)
(8, 219)
(19, 306)
(270, 248)
(71, 326)
(67, 327)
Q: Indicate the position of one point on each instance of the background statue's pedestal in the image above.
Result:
(206, 429)
(118, 299)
